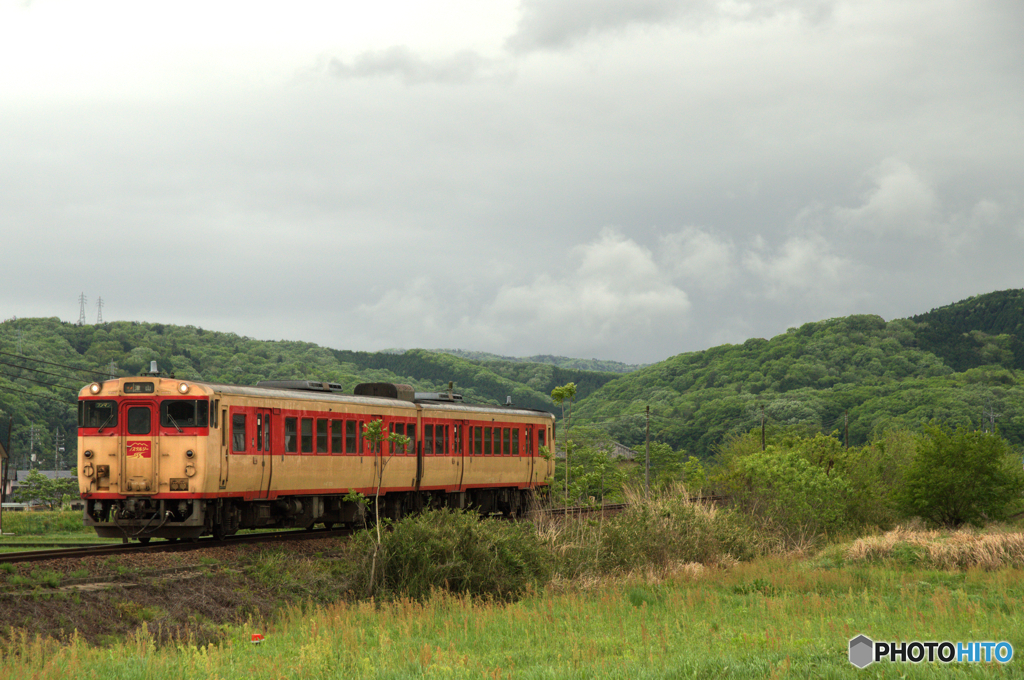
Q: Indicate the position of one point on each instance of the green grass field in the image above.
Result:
(765, 619)
(775, 616)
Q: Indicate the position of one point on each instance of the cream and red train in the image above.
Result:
(167, 458)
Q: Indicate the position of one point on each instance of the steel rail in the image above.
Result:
(169, 546)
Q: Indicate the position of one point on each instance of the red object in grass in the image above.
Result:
(257, 638)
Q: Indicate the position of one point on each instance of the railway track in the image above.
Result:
(612, 508)
(167, 546)
(267, 537)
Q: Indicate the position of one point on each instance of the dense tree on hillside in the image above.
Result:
(79, 354)
(961, 476)
(957, 364)
(858, 370)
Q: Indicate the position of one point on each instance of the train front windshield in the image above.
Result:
(97, 414)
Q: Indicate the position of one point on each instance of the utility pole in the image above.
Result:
(4, 466)
(992, 415)
(647, 455)
(32, 447)
(58, 446)
(762, 427)
(81, 309)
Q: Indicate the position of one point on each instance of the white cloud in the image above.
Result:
(703, 258)
(413, 69)
(899, 202)
(902, 205)
(611, 296)
(805, 266)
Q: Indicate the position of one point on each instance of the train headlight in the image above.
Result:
(190, 454)
(95, 388)
(87, 454)
(183, 388)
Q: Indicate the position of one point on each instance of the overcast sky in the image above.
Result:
(616, 179)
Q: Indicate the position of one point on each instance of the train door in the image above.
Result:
(262, 450)
(458, 455)
(528, 454)
(440, 461)
(138, 447)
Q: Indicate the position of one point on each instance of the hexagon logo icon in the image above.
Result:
(862, 650)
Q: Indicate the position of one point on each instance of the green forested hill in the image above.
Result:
(957, 364)
(961, 334)
(561, 362)
(44, 362)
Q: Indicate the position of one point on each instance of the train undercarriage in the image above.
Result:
(143, 518)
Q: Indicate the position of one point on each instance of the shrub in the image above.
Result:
(459, 552)
(788, 493)
(961, 476)
(668, 528)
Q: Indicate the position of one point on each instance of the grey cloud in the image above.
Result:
(557, 24)
(554, 24)
(412, 69)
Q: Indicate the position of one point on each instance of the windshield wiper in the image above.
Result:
(109, 418)
(174, 422)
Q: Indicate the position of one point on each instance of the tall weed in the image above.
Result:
(456, 551)
(655, 531)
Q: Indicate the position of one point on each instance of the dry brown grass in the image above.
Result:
(961, 549)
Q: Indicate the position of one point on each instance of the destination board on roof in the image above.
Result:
(138, 388)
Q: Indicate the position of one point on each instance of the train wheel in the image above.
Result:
(143, 540)
(328, 525)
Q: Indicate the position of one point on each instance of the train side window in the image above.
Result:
(528, 443)
(307, 435)
(321, 435)
(238, 432)
(291, 435)
(442, 440)
(506, 441)
(410, 432)
(337, 436)
(515, 441)
(478, 440)
(266, 432)
(487, 442)
(457, 439)
(428, 440)
(350, 436)
(540, 437)
(399, 429)
(259, 431)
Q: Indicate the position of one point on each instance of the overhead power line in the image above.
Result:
(38, 382)
(51, 363)
(35, 370)
(39, 396)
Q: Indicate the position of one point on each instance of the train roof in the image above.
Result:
(331, 394)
